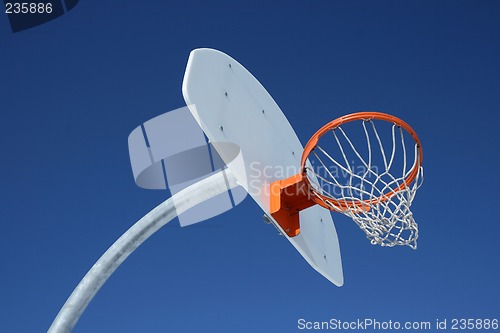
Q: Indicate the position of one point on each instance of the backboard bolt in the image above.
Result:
(225, 93)
(221, 128)
(324, 256)
(229, 65)
(263, 111)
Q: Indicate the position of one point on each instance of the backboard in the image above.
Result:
(230, 105)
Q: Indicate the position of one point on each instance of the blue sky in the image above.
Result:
(73, 89)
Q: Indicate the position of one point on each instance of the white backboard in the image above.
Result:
(230, 105)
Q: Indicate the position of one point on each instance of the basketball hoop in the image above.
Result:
(377, 198)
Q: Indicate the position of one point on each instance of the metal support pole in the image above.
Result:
(165, 212)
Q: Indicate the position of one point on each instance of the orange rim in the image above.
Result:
(365, 116)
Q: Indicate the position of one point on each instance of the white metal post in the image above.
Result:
(165, 212)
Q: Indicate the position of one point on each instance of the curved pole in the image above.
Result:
(165, 212)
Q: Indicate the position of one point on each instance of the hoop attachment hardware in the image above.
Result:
(288, 197)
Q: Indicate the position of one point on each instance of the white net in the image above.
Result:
(372, 184)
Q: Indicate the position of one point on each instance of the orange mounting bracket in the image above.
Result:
(288, 197)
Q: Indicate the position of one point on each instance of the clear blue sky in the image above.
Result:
(73, 89)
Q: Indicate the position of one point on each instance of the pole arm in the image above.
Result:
(95, 278)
